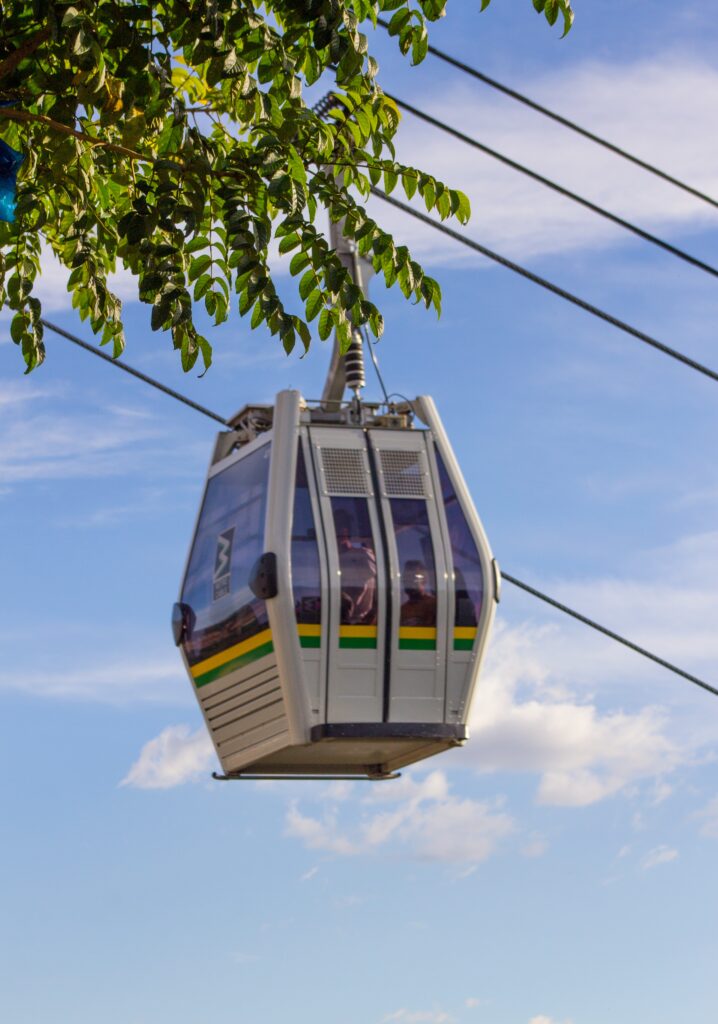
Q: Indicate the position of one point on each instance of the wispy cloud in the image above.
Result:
(404, 1016)
(671, 98)
(659, 855)
(708, 817)
(420, 817)
(111, 681)
(176, 756)
(71, 439)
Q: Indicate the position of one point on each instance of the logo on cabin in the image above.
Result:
(221, 577)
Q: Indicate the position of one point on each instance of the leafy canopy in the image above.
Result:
(172, 138)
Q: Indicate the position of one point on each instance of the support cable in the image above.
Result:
(549, 286)
(135, 373)
(614, 218)
(475, 73)
(608, 632)
(375, 361)
(510, 579)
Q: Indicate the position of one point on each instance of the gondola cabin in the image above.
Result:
(339, 591)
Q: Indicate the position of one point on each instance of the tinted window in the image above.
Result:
(229, 539)
(357, 561)
(468, 578)
(306, 579)
(416, 562)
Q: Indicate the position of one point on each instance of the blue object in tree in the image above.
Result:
(10, 160)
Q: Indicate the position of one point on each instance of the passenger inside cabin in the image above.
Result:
(419, 606)
(357, 563)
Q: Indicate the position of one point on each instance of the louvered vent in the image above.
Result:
(402, 474)
(344, 471)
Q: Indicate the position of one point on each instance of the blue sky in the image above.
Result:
(560, 868)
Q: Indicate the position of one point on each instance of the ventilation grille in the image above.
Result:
(403, 474)
(344, 471)
(246, 712)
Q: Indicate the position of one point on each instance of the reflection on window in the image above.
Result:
(306, 579)
(357, 561)
(416, 560)
(229, 540)
(468, 578)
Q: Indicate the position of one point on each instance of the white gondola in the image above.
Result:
(339, 591)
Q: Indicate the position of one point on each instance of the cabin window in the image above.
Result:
(416, 562)
(468, 577)
(306, 579)
(357, 561)
(229, 540)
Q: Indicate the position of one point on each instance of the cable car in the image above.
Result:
(339, 591)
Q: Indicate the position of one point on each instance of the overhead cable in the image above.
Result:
(646, 235)
(475, 73)
(549, 286)
(510, 579)
(135, 373)
(608, 632)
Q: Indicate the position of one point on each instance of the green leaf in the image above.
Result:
(289, 242)
(308, 283)
(314, 303)
(198, 266)
(257, 315)
(325, 323)
(298, 263)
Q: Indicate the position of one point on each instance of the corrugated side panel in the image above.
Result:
(245, 709)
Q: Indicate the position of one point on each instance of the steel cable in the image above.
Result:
(522, 169)
(549, 286)
(475, 73)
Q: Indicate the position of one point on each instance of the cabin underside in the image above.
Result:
(370, 750)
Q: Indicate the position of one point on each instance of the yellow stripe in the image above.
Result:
(310, 629)
(417, 632)
(346, 631)
(464, 632)
(232, 652)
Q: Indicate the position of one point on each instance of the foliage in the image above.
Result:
(172, 138)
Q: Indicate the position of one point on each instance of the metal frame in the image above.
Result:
(427, 412)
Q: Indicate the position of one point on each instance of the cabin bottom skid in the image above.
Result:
(373, 750)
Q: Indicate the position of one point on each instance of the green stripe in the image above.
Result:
(235, 663)
(310, 641)
(418, 644)
(358, 641)
(463, 645)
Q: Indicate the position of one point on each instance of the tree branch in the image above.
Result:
(8, 65)
(65, 129)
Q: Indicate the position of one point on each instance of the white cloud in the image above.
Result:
(581, 754)
(405, 1016)
(672, 97)
(308, 875)
(420, 817)
(174, 757)
(659, 855)
(472, 1002)
(543, 1019)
